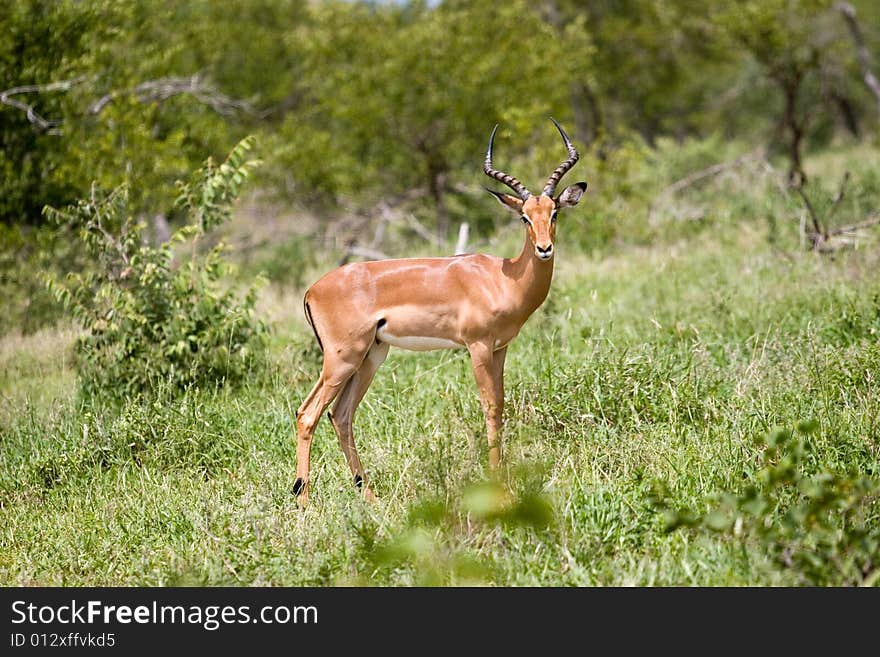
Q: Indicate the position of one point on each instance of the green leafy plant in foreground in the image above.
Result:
(456, 540)
(824, 527)
(158, 314)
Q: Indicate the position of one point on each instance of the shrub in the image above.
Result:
(159, 314)
(822, 528)
(26, 254)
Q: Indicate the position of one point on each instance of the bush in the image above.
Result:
(822, 528)
(158, 314)
(25, 255)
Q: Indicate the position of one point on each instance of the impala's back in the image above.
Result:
(414, 303)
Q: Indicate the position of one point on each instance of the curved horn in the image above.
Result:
(561, 170)
(500, 176)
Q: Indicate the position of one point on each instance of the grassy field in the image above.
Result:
(648, 363)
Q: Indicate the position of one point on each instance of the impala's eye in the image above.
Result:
(526, 220)
(553, 217)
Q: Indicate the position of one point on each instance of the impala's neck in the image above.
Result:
(532, 276)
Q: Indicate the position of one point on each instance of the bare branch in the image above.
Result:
(775, 176)
(822, 239)
(849, 15)
(711, 171)
(393, 212)
(868, 223)
(703, 174)
(362, 252)
(43, 124)
(164, 88)
(422, 231)
(817, 225)
(388, 212)
(145, 92)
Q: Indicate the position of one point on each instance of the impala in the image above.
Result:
(479, 302)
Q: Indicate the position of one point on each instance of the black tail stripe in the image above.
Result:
(312, 324)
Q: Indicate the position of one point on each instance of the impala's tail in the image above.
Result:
(308, 312)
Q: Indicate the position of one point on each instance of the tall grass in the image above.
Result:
(648, 363)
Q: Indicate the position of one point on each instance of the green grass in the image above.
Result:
(656, 365)
(647, 364)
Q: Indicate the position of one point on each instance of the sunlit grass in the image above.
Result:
(653, 364)
(649, 362)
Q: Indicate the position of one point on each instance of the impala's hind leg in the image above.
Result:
(340, 364)
(344, 409)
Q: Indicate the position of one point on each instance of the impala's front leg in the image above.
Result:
(488, 369)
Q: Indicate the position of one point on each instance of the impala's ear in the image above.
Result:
(571, 195)
(512, 203)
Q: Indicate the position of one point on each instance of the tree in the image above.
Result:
(137, 91)
(796, 53)
(400, 95)
(652, 69)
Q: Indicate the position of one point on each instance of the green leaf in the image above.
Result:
(485, 499)
(778, 436)
(808, 426)
(717, 521)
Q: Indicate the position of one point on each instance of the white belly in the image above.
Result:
(415, 342)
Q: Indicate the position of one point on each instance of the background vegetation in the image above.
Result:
(695, 403)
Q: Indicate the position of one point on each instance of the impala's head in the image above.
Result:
(538, 212)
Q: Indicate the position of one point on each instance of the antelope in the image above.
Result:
(475, 301)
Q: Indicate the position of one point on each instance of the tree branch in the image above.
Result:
(362, 252)
(43, 124)
(711, 171)
(821, 237)
(817, 225)
(164, 88)
(873, 221)
(146, 92)
(419, 228)
(849, 15)
(703, 174)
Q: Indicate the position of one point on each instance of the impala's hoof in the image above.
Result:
(301, 490)
(366, 491)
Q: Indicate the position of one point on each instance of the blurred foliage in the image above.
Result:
(26, 258)
(283, 261)
(361, 101)
(451, 540)
(405, 98)
(366, 106)
(159, 316)
(818, 524)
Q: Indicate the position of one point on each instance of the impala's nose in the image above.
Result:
(544, 252)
